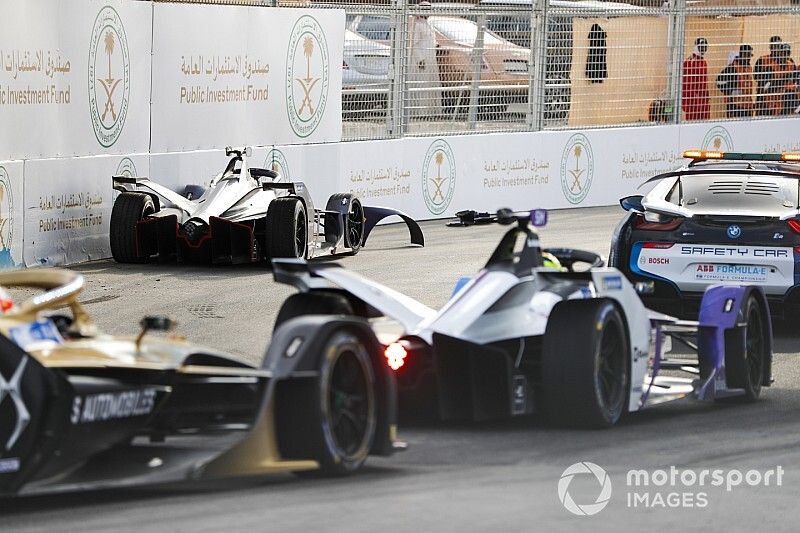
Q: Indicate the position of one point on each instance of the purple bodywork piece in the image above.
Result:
(719, 312)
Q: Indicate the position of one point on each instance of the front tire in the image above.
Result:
(354, 221)
(746, 358)
(129, 208)
(287, 228)
(585, 370)
(331, 418)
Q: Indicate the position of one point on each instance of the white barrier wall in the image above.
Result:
(227, 75)
(65, 206)
(435, 177)
(75, 78)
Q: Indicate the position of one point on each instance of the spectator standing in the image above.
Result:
(769, 96)
(695, 98)
(736, 83)
(789, 79)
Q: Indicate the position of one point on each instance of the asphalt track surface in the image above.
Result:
(456, 477)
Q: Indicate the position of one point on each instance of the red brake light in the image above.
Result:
(641, 223)
(794, 225)
(658, 245)
(395, 355)
(6, 304)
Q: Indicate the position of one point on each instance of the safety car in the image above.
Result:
(725, 218)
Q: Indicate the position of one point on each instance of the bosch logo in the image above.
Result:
(734, 231)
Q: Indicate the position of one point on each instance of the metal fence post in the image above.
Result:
(477, 64)
(395, 112)
(536, 67)
(676, 39)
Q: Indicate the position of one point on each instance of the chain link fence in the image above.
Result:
(416, 68)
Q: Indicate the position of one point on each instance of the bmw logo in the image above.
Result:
(734, 231)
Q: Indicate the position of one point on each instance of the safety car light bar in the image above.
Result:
(740, 156)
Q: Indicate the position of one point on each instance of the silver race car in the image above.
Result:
(725, 218)
(246, 214)
(520, 337)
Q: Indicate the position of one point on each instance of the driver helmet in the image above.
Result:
(551, 261)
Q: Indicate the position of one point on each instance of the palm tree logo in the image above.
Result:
(717, 142)
(109, 84)
(438, 181)
(307, 83)
(577, 172)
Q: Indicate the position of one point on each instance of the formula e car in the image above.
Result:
(246, 214)
(725, 218)
(577, 346)
(80, 409)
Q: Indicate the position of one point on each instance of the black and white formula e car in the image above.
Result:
(517, 338)
(246, 214)
(725, 218)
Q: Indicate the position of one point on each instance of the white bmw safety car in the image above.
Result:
(725, 218)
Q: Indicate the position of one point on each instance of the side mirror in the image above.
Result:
(539, 218)
(154, 323)
(632, 203)
(157, 323)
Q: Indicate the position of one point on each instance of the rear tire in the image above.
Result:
(128, 210)
(585, 367)
(331, 418)
(287, 230)
(353, 221)
(312, 303)
(745, 362)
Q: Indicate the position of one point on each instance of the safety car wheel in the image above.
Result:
(312, 303)
(585, 370)
(332, 419)
(287, 230)
(745, 362)
(353, 221)
(129, 208)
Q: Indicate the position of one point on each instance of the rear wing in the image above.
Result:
(308, 277)
(144, 185)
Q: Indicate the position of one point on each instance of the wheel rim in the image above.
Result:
(754, 346)
(611, 369)
(355, 224)
(300, 235)
(350, 403)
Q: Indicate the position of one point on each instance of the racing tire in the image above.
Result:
(312, 303)
(745, 359)
(287, 228)
(331, 418)
(585, 364)
(129, 208)
(353, 222)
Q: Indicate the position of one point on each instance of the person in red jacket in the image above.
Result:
(695, 98)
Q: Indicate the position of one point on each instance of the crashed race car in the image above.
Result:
(518, 338)
(725, 218)
(246, 214)
(84, 410)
